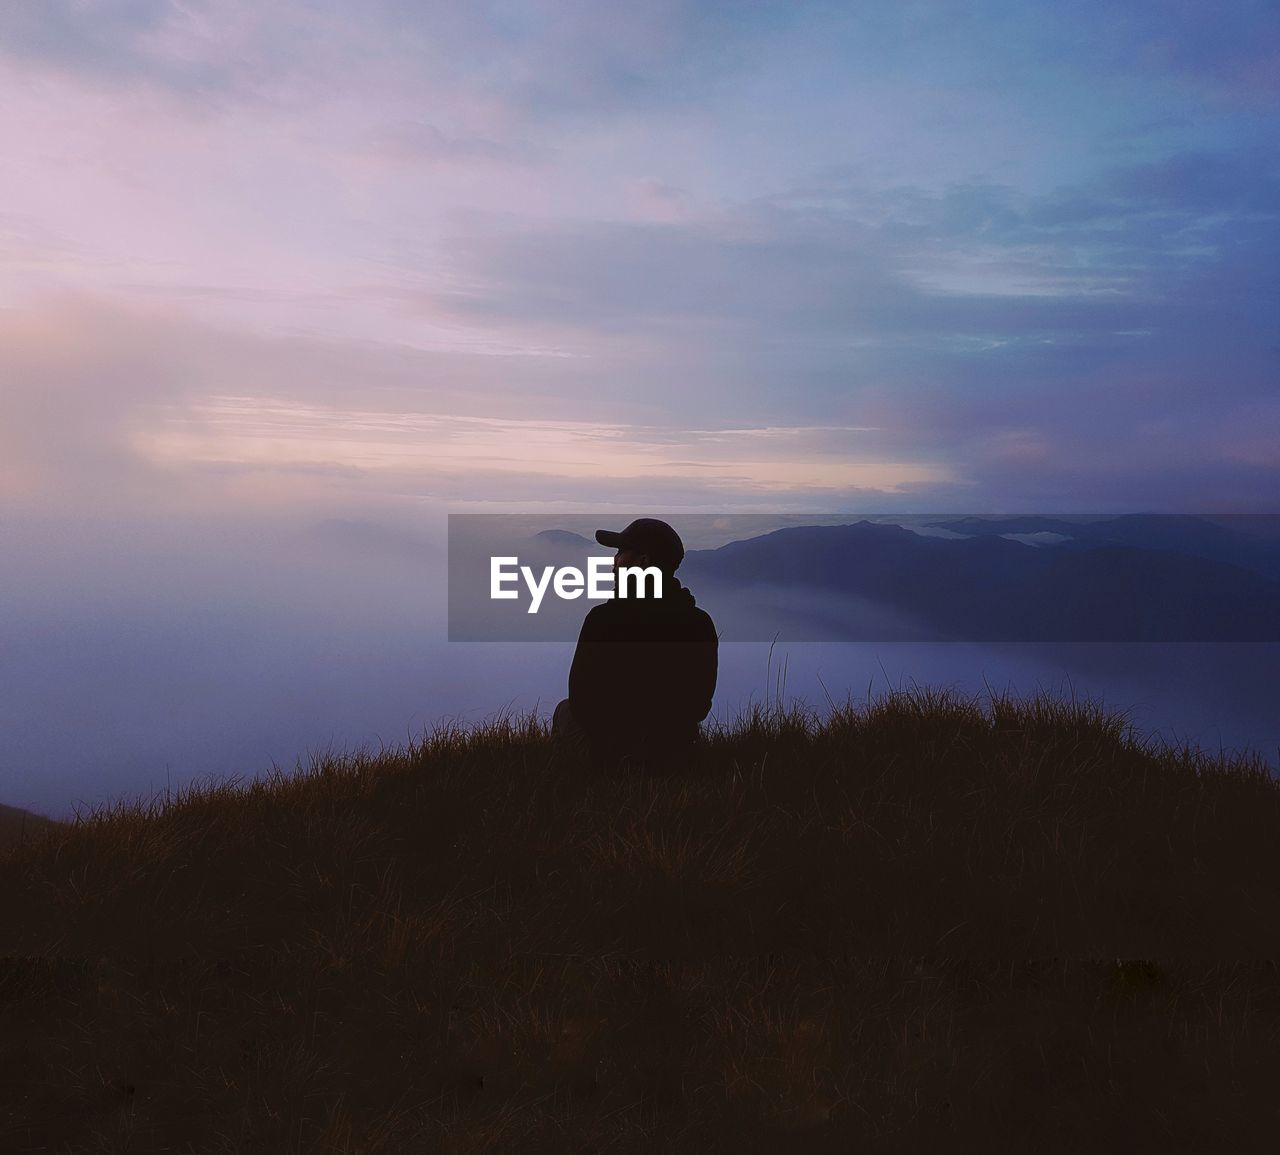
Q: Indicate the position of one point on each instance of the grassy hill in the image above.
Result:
(926, 922)
(17, 825)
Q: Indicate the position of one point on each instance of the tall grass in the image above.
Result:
(920, 920)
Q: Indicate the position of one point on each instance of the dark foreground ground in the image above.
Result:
(925, 924)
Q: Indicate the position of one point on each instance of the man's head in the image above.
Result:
(646, 541)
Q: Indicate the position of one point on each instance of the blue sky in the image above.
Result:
(806, 256)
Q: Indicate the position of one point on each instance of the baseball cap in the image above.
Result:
(647, 535)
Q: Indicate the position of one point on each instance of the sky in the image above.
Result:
(996, 256)
(271, 269)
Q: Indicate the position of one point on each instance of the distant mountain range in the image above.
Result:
(557, 538)
(1133, 578)
(1231, 543)
(1141, 578)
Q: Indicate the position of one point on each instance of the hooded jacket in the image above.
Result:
(644, 673)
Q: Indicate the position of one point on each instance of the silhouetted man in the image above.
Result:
(644, 672)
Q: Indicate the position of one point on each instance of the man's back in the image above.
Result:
(644, 674)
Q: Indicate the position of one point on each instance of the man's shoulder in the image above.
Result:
(703, 626)
(611, 610)
(597, 618)
(693, 623)
(645, 613)
(607, 620)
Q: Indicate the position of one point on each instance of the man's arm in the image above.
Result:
(705, 669)
(688, 674)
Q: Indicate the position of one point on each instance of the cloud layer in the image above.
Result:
(1032, 250)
